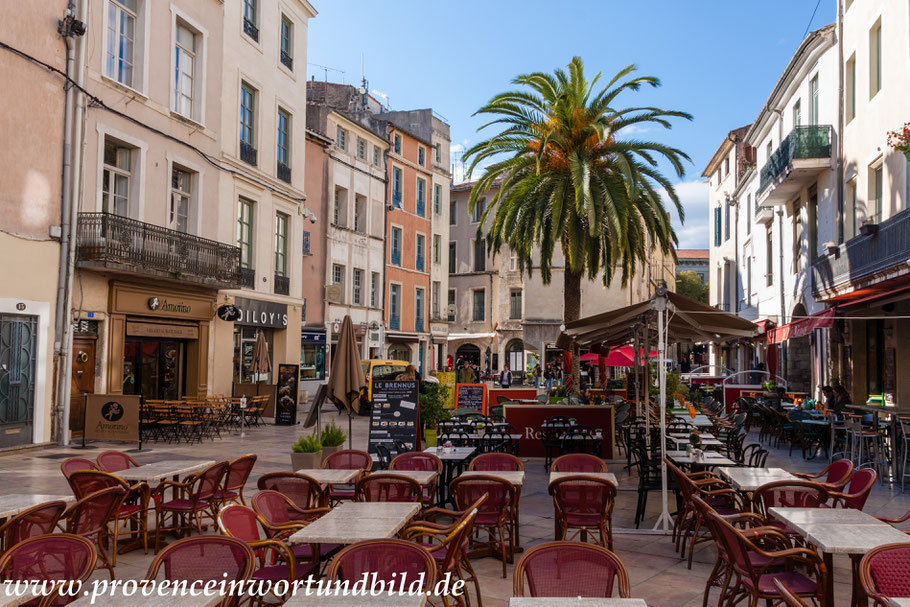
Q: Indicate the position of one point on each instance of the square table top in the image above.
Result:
(513, 477)
(14, 503)
(838, 538)
(607, 476)
(325, 476)
(575, 602)
(710, 458)
(369, 521)
(457, 454)
(8, 597)
(898, 601)
(137, 600)
(750, 479)
(398, 600)
(805, 520)
(423, 477)
(162, 470)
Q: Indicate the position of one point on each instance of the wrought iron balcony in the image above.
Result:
(865, 259)
(248, 278)
(250, 29)
(122, 244)
(287, 60)
(282, 285)
(248, 153)
(284, 172)
(802, 155)
(763, 213)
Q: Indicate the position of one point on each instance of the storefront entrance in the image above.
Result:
(154, 368)
(18, 347)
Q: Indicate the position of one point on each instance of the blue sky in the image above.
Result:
(717, 59)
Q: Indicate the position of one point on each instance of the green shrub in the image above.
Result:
(332, 436)
(432, 405)
(769, 386)
(307, 444)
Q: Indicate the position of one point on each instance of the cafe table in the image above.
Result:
(575, 602)
(165, 469)
(397, 600)
(453, 463)
(325, 476)
(854, 534)
(706, 441)
(352, 522)
(516, 478)
(14, 503)
(709, 459)
(901, 601)
(423, 477)
(8, 597)
(138, 600)
(750, 479)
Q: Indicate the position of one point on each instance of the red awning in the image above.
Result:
(801, 327)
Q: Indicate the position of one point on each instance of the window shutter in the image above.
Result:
(717, 227)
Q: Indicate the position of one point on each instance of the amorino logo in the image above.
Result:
(156, 303)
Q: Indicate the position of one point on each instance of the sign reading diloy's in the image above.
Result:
(259, 313)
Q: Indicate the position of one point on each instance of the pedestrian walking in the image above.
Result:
(505, 378)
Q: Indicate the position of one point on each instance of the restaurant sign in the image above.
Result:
(259, 313)
(112, 417)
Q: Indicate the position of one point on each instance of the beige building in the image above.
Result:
(517, 316)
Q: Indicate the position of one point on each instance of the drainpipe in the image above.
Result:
(385, 231)
(839, 219)
(780, 245)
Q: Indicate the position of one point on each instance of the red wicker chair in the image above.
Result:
(857, 492)
(90, 517)
(281, 518)
(381, 487)
(115, 461)
(347, 459)
(790, 599)
(417, 460)
(569, 569)
(238, 473)
(836, 474)
(195, 498)
(496, 462)
(131, 519)
(885, 572)
(494, 514)
(389, 560)
(76, 463)
(37, 520)
(578, 463)
(584, 503)
(207, 558)
(788, 494)
(304, 491)
(52, 558)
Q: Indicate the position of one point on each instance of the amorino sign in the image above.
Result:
(259, 313)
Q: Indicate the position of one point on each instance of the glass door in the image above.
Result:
(153, 368)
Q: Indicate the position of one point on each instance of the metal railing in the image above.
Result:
(282, 285)
(865, 255)
(287, 60)
(760, 207)
(284, 172)
(250, 29)
(802, 142)
(248, 153)
(144, 248)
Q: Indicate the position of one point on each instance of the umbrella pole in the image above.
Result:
(664, 521)
(350, 438)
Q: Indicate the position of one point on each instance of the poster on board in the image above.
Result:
(112, 417)
(288, 394)
(395, 415)
(471, 396)
(447, 378)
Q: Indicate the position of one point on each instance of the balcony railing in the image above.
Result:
(284, 172)
(396, 257)
(395, 323)
(864, 256)
(120, 243)
(287, 60)
(248, 278)
(282, 285)
(250, 29)
(802, 142)
(248, 153)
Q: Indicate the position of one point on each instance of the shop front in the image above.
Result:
(312, 354)
(256, 315)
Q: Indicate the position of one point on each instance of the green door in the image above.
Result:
(18, 344)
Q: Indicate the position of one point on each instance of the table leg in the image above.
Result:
(859, 594)
(829, 579)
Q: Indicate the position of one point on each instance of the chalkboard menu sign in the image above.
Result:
(471, 396)
(394, 415)
(286, 406)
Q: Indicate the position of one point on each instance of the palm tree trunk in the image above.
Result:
(571, 297)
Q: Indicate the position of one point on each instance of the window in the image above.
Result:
(396, 246)
(376, 156)
(397, 143)
(726, 166)
(813, 100)
(435, 295)
(338, 278)
(421, 155)
(769, 258)
(116, 179)
(438, 147)
(797, 235)
(480, 255)
(306, 242)
(718, 177)
(374, 289)
(480, 305)
(421, 196)
(513, 260)
(477, 213)
(797, 114)
(748, 280)
(453, 204)
(874, 207)
(875, 59)
(850, 102)
(340, 211)
(120, 55)
(357, 287)
(437, 249)
(341, 138)
(727, 206)
(515, 303)
(851, 220)
(769, 150)
(245, 232)
(419, 303)
(451, 258)
(181, 198)
(450, 314)
(281, 244)
(247, 123)
(184, 71)
(287, 42)
(251, 19)
(360, 213)
(394, 306)
(361, 149)
(396, 187)
(437, 199)
(283, 139)
(421, 251)
(749, 213)
(717, 227)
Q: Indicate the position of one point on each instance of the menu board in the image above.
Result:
(471, 396)
(286, 405)
(395, 415)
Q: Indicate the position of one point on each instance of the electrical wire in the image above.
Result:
(812, 18)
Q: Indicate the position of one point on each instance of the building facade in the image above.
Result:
(694, 260)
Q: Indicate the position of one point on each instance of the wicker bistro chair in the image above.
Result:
(496, 462)
(494, 515)
(580, 463)
(416, 460)
(281, 518)
(236, 476)
(304, 491)
(90, 517)
(584, 503)
(58, 557)
(790, 599)
(885, 573)
(788, 494)
(857, 492)
(384, 487)
(73, 464)
(570, 569)
(498, 440)
(836, 475)
(346, 459)
(207, 558)
(196, 497)
(389, 560)
(37, 520)
(131, 519)
(579, 439)
(115, 461)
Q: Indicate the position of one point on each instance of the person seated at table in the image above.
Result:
(831, 401)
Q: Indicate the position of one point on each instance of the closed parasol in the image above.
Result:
(346, 378)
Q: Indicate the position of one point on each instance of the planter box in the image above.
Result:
(306, 461)
(326, 451)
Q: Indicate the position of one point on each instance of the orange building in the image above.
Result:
(408, 234)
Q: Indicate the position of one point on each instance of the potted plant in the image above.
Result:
(306, 453)
(432, 410)
(900, 140)
(332, 439)
(770, 388)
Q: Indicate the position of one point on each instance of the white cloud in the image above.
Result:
(693, 195)
(633, 129)
(457, 149)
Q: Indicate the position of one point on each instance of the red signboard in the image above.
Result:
(528, 419)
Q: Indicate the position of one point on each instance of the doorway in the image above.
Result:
(83, 380)
(516, 357)
(18, 347)
(154, 368)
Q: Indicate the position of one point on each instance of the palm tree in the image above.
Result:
(569, 177)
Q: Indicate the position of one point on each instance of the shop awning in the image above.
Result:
(457, 336)
(801, 327)
(412, 338)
